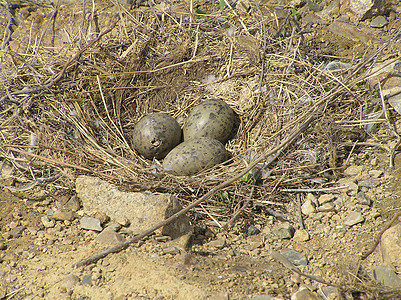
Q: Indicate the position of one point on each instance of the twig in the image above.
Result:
(235, 216)
(314, 190)
(229, 181)
(391, 127)
(289, 265)
(369, 252)
(34, 183)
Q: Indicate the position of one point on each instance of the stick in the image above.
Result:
(364, 256)
(147, 232)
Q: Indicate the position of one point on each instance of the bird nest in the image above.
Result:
(72, 91)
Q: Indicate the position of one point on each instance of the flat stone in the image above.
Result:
(73, 204)
(390, 245)
(255, 242)
(284, 230)
(308, 207)
(90, 223)
(326, 207)
(301, 236)
(263, 297)
(353, 218)
(326, 198)
(171, 250)
(47, 222)
(87, 279)
(369, 183)
(375, 173)
(386, 277)
(110, 237)
(218, 244)
(378, 22)
(304, 294)
(63, 215)
(142, 210)
(17, 231)
(364, 9)
(353, 170)
(69, 282)
(295, 257)
(351, 183)
(363, 199)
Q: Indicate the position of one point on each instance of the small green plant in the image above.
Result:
(223, 5)
(224, 196)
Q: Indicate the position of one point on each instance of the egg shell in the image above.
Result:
(211, 118)
(195, 155)
(155, 135)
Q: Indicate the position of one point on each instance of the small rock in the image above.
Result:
(184, 242)
(263, 297)
(218, 244)
(301, 236)
(69, 282)
(47, 222)
(63, 215)
(369, 183)
(113, 226)
(326, 198)
(252, 230)
(351, 183)
(110, 237)
(171, 250)
(308, 207)
(386, 277)
(328, 292)
(353, 218)
(101, 216)
(353, 170)
(363, 199)
(90, 223)
(284, 231)
(375, 173)
(326, 207)
(17, 231)
(3, 246)
(255, 242)
(87, 279)
(123, 221)
(378, 22)
(295, 257)
(73, 204)
(304, 294)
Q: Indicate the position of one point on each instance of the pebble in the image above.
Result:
(63, 215)
(110, 237)
(378, 22)
(326, 207)
(87, 279)
(351, 183)
(73, 204)
(69, 282)
(252, 230)
(47, 222)
(284, 231)
(113, 226)
(263, 297)
(308, 207)
(369, 183)
(304, 294)
(17, 231)
(301, 236)
(3, 245)
(363, 199)
(375, 173)
(123, 221)
(325, 198)
(386, 277)
(90, 223)
(171, 250)
(219, 244)
(295, 257)
(353, 170)
(328, 292)
(353, 218)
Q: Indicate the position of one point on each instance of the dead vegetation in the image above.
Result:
(69, 101)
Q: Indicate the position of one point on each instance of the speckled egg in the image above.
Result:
(211, 118)
(155, 135)
(195, 155)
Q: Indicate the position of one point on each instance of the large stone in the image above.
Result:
(365, 9)
(143, 210)
(390, 245)
(386, 277)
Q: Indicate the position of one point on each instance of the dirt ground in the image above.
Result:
(38, 262)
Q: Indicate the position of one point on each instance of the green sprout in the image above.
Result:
(224, 196)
